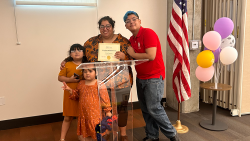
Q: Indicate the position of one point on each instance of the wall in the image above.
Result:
(245, 73)
(152, 14)
(29, 71)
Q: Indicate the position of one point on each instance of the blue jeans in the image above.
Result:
(150, 92)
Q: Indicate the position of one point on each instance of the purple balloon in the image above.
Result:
(224, 26)
(216, 54)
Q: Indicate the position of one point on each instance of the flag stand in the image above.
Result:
(180, 128)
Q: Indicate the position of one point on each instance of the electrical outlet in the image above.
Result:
(194, 44)
(2, 101)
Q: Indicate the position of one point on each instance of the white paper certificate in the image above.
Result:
(106, 51)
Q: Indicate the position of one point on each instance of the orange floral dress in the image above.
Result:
(70, 107)
(91, 106)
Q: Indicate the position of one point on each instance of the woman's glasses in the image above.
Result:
(107, 26)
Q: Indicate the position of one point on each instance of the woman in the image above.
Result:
(124, 81)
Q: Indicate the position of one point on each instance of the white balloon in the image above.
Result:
(228, 42)
(228, 55)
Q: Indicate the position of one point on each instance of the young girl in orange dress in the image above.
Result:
(91, 104)
(70, 107)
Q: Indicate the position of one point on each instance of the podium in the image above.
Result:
(116, 77)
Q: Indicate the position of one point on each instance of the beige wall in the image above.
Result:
(245, 104)
(153, 15)
(29, 71)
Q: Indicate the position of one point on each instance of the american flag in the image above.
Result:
(178, 41)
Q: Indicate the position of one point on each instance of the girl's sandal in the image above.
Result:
(62, 140)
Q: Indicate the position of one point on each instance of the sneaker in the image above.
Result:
(148, 139)
(175, 138)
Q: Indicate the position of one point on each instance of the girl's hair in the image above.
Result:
(107, 18)
(89, 68)
(76, 47)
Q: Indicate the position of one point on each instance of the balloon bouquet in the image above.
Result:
(219, 45)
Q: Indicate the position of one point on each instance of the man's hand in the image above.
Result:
(119, 55)
(62, 65)
(131, 51)
(149, 54)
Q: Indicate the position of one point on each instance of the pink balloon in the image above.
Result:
(212, 40)
(204, 74)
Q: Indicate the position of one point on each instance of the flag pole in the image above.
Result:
(180, 128)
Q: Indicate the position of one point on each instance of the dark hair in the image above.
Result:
(129, 13)
(89, 68)
(76, 47)
(106, 18)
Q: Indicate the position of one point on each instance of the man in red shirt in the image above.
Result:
(150, 78)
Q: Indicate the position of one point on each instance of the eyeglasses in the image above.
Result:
(129, 21)
(73, 51)
(107, 26)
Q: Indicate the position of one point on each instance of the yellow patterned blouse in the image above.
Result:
(91, 46)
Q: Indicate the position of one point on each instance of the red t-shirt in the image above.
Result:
(147, 38)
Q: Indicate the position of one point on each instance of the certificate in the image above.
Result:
(106, 51)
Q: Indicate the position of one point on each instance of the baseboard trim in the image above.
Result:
(30, 121)
(36, 120)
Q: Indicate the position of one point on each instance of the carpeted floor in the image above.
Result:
(138, 134)
(238, 127)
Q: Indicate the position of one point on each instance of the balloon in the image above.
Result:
(212, 40)
(205, 59)
(228, 42)
(216, 54)
(228, 55)
(224, 26)
(204, 74)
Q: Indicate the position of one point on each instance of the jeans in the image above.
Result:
(150, 92)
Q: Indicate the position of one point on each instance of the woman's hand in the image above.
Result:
(66, 87)
(119, 55)
(62, 65)
(131, 51)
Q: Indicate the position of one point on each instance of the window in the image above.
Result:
(57, 2)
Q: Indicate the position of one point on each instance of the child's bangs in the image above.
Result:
(76, 47)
